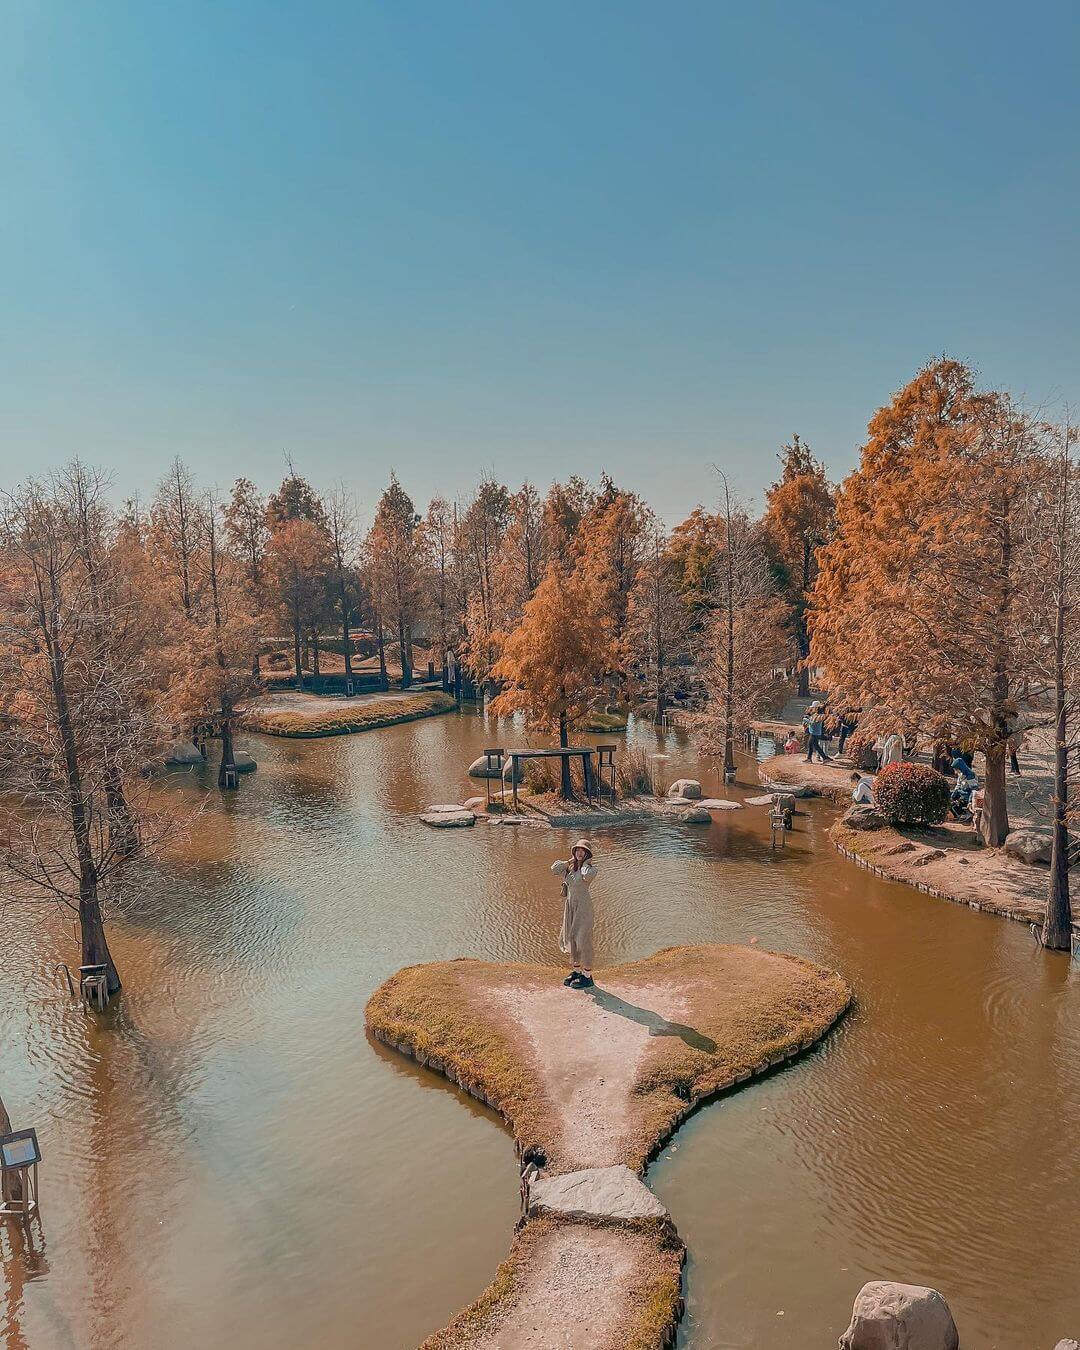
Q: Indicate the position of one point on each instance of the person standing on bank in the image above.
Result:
(576, 936)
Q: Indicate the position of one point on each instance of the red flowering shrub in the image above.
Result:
(912, 794)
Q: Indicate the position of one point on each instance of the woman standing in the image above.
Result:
(576, 937)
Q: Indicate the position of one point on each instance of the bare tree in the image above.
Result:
(744, 641)
(75, 721)
(1052, 554)
(176, 530)
(659, 622)
(344, 538)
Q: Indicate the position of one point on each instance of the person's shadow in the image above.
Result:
(658, 1026)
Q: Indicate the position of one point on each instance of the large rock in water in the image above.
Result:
(1067, 1345)
(1030, 846)
(890, 1316)
(183, 752)
(479, 769)
(685, 787)
(596, 1192)
(863, 817)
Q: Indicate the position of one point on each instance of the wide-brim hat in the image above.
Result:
(584, 843)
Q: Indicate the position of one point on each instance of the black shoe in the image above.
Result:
(583, 982)
(572, 979)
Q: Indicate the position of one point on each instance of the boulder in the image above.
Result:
(860, 816)
(244, 762)
(183, 752)
(890, 1316)
(519, 777)
(695, 815)
(685, 787)
(719, 804)
(1029, 846)
(447, 817)
(479, 769)
(795, 789)
(596, 1192)
(474, 804)
(1068, 1344)
(766, 800)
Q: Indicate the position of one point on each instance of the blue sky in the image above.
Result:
(453, 237)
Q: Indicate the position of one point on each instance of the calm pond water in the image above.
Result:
(229, 1161)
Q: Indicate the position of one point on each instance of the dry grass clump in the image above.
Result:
(633, 773)
(750, 1010)
(433, 1013)
(349, 718)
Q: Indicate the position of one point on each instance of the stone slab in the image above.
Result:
(720, 804)
(447, 817)
(596, 1192)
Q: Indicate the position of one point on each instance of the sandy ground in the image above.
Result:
(824, 780)
(576, 1292)
(588, 1056)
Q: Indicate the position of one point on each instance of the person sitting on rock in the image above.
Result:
(576, 935)
(863, 791)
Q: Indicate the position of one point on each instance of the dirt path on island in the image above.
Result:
(587, 1048)
(576, 1293)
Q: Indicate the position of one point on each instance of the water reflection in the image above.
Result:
(231, 1161)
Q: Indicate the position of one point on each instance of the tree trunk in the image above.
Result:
(228, 757)
(343, 600)
(994, 825)
(564, 761)
(123, 829)
(406, 669)
(297, 662)
(315, 653)
(661, 701)
(95, 950)
(802, 637)
(384, 681)
(1057, 928)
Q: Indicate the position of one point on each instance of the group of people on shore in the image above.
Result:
(820, 726)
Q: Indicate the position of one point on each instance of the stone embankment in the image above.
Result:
(591, 1084)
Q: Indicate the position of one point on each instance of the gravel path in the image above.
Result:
(588, 1057)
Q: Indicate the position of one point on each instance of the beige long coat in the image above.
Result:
(576, 936)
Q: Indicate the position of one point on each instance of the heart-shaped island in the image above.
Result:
(592, 1083)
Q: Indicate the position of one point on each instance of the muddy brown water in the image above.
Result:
(230, 1162)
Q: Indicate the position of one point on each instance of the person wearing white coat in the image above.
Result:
(576, 935)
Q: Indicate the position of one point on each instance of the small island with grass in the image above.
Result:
(294, 714)
(591, 1086)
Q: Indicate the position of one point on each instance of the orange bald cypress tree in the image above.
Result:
(921, 610)
(553, 664)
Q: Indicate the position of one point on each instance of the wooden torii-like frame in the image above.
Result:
(582, 752)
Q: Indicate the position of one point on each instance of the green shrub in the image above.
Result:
(912, 794)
